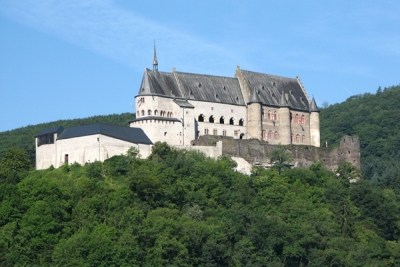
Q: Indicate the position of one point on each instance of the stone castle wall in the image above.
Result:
(257, 152)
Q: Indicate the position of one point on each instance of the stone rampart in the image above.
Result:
(257, 152)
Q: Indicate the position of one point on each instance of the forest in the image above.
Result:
(181, 208)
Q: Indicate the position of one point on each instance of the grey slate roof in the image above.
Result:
(192, 86)
(133, 135)
(159, 83)
(270, 87)
(211, 88)
(183, 103)
(57, 129)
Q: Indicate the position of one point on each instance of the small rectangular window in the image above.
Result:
(215, 132)
(236, 133)
(224, 132)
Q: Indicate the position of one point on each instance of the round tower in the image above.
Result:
(314, 124)
(254, 119)
(284, 122)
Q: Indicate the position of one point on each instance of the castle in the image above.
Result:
(182, 108)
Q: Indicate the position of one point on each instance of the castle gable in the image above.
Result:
(270, 87)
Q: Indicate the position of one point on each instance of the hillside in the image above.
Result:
(24, 137)
(375, 118)
(180, 208)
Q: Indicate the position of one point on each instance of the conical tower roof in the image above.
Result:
(313, 106)
(254, 97)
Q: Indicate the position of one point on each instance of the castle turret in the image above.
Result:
(284, 121)
(314, 124)
(254, 123)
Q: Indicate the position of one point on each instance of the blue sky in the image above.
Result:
(75, 59)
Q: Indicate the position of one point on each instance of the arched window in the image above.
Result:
(270, 135)
(265, 135)
(269, 114)
(211, 119)
(241, 136)
(303, 139)
(142, 112)
(241, 122)
(303, 119)
(296, 118)
(231, 121)
(155, 112)
(149, 112)
(222, 120)
(170, 114)
(201, 118)
(275, 116)
(298, 138)
(276, 135)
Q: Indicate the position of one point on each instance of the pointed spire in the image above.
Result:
(155, 61)
(313, 106)
(254, 97)
(283, 102)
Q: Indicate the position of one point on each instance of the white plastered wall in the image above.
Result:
(219, 110)
(85, 149)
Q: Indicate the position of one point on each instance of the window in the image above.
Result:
(155, 112)
(275, 116)
(296, 118)
(269, 114)
(149, 112)
(270, 135)
(215, 132)
(303, 139)
(241, 136)
(205, 131)
(46, 139)
(142, 112)
(241, 122)
(265, 136)
(221, 120)
(303, 120)
(66, 159)
(201, 118)
(231, 121)
(276, 135)
(298, 138)
(236, 133)
(211, 119)
(224, 132)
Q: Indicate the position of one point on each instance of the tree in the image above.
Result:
(15, 160)
(280, 158)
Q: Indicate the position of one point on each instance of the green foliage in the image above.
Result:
(374, 118)
(13, 164)
(25, 137)
(181, 208)
(280, 158)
